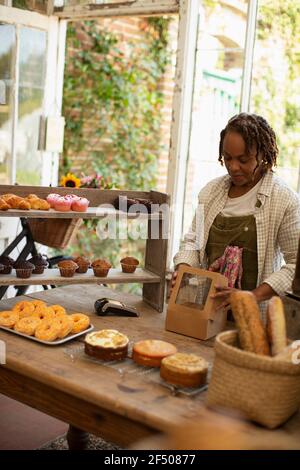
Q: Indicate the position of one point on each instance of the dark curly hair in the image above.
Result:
(255, 131)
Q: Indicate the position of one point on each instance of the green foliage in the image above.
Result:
(112, 102)
(276, 78)
(112, 106)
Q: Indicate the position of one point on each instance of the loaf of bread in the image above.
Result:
(276, 326)
(252, 335)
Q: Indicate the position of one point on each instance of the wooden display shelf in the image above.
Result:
(52, 276)
(91, 213)
(102, 204)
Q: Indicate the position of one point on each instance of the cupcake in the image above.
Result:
(129, 264)
(39, 262)
(80, 205)
(7, 263)
(63, 204)
(23, 269)
(83, 264)
(51, 198)
(67, 268)
(101, 267)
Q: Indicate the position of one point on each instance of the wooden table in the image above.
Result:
(120, 403)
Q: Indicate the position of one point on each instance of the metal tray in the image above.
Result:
(49, 343)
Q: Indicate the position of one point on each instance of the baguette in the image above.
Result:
(252, 335)
(276, 326)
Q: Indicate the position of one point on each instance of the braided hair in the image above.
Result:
(255, 131)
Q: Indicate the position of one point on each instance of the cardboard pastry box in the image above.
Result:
(191, 310)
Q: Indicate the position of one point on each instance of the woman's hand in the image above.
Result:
(174, 277)
(223, 294)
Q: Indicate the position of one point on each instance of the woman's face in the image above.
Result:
(242, 168)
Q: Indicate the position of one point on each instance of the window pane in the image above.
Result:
(33, 44)
(217, 92)
(7, 45)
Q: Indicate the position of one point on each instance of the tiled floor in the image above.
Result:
(22, 427)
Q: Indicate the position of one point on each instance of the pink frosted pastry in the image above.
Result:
(80, 205)
(62, 204)
(51, 198)
(72, 197)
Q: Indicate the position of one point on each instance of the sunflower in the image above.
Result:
(70, 181)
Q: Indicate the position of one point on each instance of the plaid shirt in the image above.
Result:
(277, 218)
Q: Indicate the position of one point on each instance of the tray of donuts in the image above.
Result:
(256, 368)
(50, 325)
(179, 370)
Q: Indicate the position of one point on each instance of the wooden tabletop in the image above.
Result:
(122, 402)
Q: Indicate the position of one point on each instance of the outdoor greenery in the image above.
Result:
(276, 74)
(112, 102)
(112, 105)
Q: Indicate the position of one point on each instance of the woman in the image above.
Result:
(249, 214)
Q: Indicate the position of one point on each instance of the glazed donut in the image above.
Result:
(59, 311)
(27, 325)
(43, 313)
(8, 318)
(48, 330)
(24, 308)
(81, 322)
(66, 324)
(38, 303)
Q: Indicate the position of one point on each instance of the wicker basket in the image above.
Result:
(56, 233)
(265, 389)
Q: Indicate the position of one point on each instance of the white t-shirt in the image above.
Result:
(243, 205)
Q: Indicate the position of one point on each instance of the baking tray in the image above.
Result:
(49, 343)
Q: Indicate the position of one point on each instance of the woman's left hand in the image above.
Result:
(223, 294)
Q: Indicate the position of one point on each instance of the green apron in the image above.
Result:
(235, 231)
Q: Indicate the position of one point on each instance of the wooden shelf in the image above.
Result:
(52, 276)
(91, 213)
(102, 205)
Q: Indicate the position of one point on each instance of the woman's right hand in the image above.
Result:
(174, 276)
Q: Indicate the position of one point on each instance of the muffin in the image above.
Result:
(39, 262)
(23, 269)
(101, 267)
(150, 352)
(185, 370)
(129, 264)
(83, 264)
(108, 345)
(67, 268)
(8, 263)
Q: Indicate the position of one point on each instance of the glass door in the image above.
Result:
(29, 78)
(31, 75)
(31, 90)
(7, 48)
